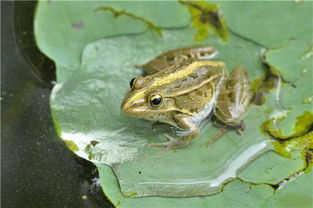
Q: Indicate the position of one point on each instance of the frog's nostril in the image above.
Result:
(128, 107)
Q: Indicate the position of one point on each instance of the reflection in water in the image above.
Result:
(42, 67)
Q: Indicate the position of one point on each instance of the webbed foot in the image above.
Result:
(238, 128)
(173, 143)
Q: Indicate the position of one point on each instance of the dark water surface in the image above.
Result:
(37, 169)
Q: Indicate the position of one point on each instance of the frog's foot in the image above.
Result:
(218, 123)
(240, 127)
(157, 126)
(174, 143)
(220, 133)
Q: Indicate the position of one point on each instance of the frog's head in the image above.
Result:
(144, 100)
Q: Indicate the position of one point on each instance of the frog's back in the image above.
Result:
(192, 87)
(189, 78)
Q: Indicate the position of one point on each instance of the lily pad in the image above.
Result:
(266, 171)
(296, 193)
(296, 97)
(80, 23)
(85, 105)
(88, 114)
(269, 23)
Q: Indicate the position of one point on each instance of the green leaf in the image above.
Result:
(89, 111)
(116, 14)
(85, 103)
(63, 28)
(296, 193)
(269, 23)
(266, 171)
(296, 92)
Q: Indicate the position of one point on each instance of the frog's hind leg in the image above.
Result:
(233, 99)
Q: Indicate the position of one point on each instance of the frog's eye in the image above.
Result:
(132, 82)
(137, 83)
(156, 100)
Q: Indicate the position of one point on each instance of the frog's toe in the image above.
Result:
(164, 144)
(239, 131)
(170, 138)
(240, 128)
(168, 146)
(173, 143)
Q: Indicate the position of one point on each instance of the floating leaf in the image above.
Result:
(268, 23)
(89, 111)
(63, 28)
(86, 105)
(298, 75)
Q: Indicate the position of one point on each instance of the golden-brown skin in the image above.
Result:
(184, 90)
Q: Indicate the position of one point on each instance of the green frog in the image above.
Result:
(183, 88)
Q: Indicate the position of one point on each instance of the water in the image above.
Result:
(37, 169)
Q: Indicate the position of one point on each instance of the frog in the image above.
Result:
(185, 87)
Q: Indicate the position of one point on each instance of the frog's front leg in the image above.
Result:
(190, 131)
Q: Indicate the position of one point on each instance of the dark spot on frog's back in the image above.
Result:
(202, 71)
(193, 110)
(199, 93)
(170, 58)
(194, 75)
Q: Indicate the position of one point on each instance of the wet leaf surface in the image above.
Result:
(296, 193)
(89, 111)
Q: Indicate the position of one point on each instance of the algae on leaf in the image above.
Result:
(298, 78)
(206, 16)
